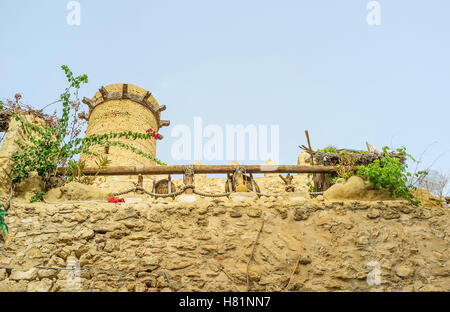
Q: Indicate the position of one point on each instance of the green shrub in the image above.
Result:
(38, 197)
(389, 173)
(327, 150)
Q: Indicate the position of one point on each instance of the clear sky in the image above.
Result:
(313, 65)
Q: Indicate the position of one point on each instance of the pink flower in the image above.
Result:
(153, 132)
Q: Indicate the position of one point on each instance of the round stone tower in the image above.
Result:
(118, 108)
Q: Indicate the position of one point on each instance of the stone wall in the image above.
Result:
(166, 245)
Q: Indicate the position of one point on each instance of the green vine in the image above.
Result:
(49, 147)
(3, 224)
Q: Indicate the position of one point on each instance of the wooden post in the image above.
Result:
(140, 183)
(253, 182)
(309, 144)
(316, 184)
(169, 184)
(188, 179)
(230, 182)
(239, 181)
(288, 181)
(154, 185)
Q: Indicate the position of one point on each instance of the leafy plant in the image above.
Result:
(38, 197)
(332, 180)
(329, 149)
(3, 224)
(389, 173)
(48, 147)
(311, 187)
(75, 170)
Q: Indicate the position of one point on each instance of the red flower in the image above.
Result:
(115, 200)
(153, 132)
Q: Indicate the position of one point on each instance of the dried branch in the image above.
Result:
(253, 253)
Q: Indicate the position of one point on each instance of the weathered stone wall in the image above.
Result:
(164, 245)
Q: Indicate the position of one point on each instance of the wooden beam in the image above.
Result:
(104, 93)
(146, 96)
(307, 139)
(88, 102)
(164, 123)
(140, 183)
(125, 91)
(204, 169)
(316, 180)
(161, 108)
(83, 116)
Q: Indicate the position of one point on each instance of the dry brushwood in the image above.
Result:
(333, 159)
(16, 106)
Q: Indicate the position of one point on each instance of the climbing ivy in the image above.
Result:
(3, 224)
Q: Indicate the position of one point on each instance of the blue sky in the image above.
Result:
(313, 65)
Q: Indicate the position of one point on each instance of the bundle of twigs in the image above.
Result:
(5, 116)
(333, 159)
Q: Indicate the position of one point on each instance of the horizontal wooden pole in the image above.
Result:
(203, 169)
